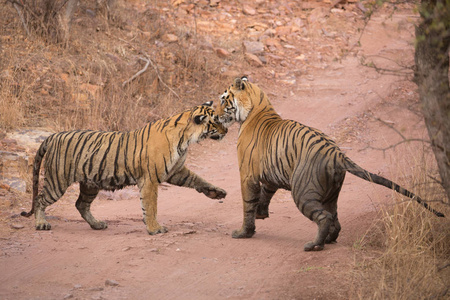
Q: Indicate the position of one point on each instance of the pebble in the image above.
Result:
(17, 226)
(110, 282)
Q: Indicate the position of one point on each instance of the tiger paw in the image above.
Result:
(215, 193)
(312, 247)
(43, 226)
(242, 234)
(161, 229)
(99, 225)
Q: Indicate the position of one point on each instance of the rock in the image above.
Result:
(361, 7)
(214, 3)
(170, 38)
(283, 30)
(253, 60)
(29, 138)
(14, 165)
(318, 15)
(68, 296)
(17, 226)
(110, 282)
(298, 22)
(248, 10)
(222, 53)
(231, 74)
(253, 47)
(4, 186)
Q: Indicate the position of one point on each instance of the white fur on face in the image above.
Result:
(241, 112)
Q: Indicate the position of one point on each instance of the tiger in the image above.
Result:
(110, 160)
(275, 153)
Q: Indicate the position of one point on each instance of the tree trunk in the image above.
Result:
(432, 66)
(66, 18)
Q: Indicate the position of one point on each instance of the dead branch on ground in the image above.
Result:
(404, 139)
(138, 73)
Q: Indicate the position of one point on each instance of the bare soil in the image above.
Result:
(197, 258)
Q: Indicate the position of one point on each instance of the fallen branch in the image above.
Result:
(138, 73)
(405, 140)
(19, 12)
(148, 60)
(159, 77)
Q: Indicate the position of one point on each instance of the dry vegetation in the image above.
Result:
(79, 83)
(405, 254)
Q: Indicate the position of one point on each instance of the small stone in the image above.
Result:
(214, 3)
(68, 296)
(126, 248)
(248, 10)
(253, 47)
(17, 226)
(222, 53)
(110, 282)
(253, 60)
(170, 38)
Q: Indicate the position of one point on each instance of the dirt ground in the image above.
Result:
(197, 258)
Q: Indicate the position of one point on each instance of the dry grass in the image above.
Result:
(409, 249)
(78, 85)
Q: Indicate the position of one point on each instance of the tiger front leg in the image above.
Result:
(149, 197)
(250, 198)
(187, 178)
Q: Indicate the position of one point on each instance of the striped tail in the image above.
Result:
(36, 168)
(356, 170)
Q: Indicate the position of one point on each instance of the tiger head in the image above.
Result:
(237, 101)
(206, 126)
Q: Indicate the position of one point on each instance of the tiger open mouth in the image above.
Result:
(222, 131)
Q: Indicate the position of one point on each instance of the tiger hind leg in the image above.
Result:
(330, 204)
(39, 214)
(262, 210)
(47, 197)
(324, 220)
(83, 204)
(335, 228)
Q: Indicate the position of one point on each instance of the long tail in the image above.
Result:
(356, 170)
(36, 168)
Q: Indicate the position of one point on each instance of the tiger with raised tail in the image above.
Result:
(146, 157)
(275, 153)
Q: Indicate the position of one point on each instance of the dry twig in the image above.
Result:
(19, 12)
(405, 140)
(138, 73)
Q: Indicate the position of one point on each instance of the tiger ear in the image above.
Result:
(239, 84)
(199, 119)
(244, 78)
(209, 103)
